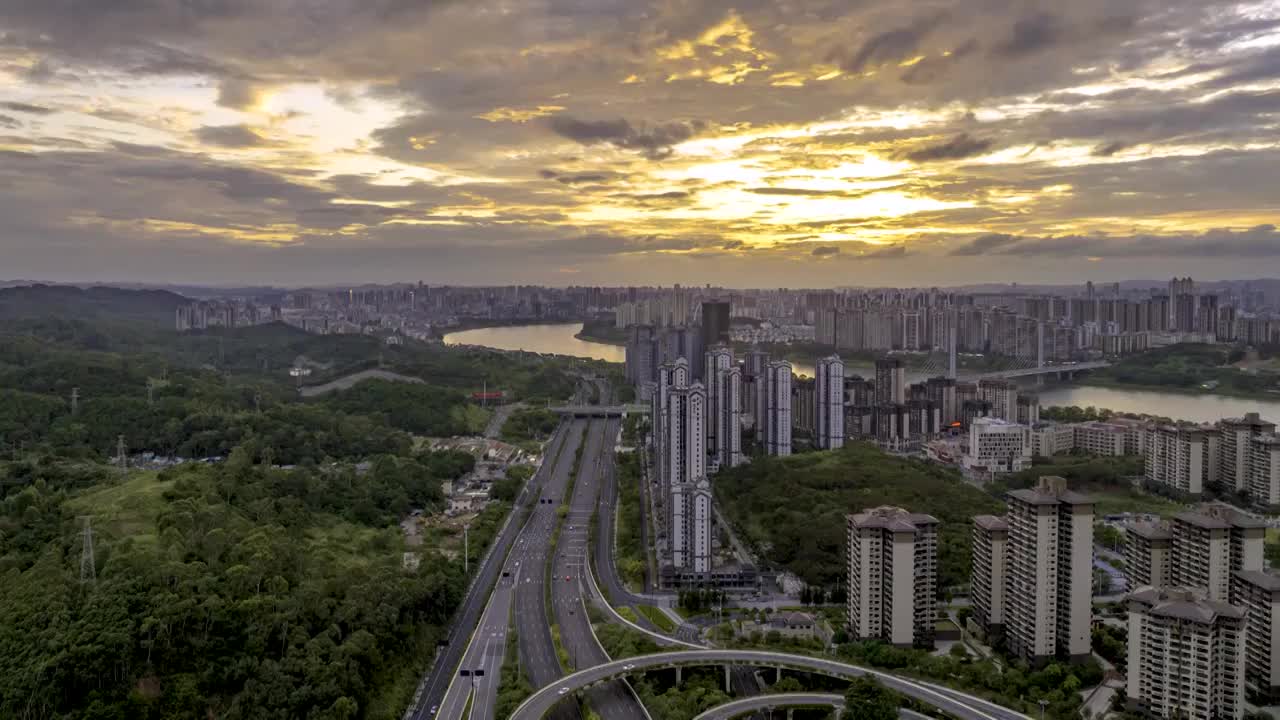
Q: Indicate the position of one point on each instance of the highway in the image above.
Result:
(768, 702)
(613, 700)
(447, 661)
(958, 704)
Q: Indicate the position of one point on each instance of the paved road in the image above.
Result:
(537, 650)
(781, 700)
(613, 700)
(443, 669)
(959, 705)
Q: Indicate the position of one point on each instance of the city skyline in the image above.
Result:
(559, 142)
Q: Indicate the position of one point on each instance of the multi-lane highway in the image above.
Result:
(958, 704)
(521, 587)
(570, 587)
(443, 671)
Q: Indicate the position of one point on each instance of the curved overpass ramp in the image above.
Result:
(958, 704)
(786, 700)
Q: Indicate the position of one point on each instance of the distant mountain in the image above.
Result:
(33, 302)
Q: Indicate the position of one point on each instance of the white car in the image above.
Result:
(564, 690)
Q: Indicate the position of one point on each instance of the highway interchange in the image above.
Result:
(522, 572)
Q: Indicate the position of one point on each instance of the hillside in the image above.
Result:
(1192, 368)
(792, 510)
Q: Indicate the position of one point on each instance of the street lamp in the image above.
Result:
(1043, 703)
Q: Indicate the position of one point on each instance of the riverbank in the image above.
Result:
(603, 332)
(483, 323)
(1103, 382)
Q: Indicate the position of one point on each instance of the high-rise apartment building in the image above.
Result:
(715, 323)
(828, 432)
(1049, 572)
(1186, 655)
(671, 376)
(1234, 451)
(1257, 593)
(718, 361)
(1175, 458)
(726, 415)
(776, 436)
(1148, 555)
(1264, 469)
(893, 576)
(1210, 544)
(891, 382)
(686, 474)
(990, 550)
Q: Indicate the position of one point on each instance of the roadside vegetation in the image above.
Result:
(792, 510)
(630, 556)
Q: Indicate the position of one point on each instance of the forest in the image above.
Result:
(267, 581)
(792, 510)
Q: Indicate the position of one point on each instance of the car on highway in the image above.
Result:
(564, 690)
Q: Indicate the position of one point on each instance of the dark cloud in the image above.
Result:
(825, 251)
(1109, 149)
(654, 141)
(1031, 34)
(957, 148)
(1261, 241)
(230, 136)
(890, 46)
(239, 93)
(10, 122)
(985, 244)
(28, 108)
(732, 245)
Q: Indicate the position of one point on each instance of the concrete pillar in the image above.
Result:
(790, 712)
(728, 689)
(777, 675)
(839, 710)
(679, 676)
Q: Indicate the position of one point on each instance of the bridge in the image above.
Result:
(787, 700)
(589, 411)
(960, 705)
(1039, 370)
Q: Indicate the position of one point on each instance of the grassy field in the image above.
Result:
(126, 509)
(1115, 501)
(657, 617)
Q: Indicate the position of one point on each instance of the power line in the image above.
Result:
(88, 566)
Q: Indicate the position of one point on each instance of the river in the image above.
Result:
(559, 339)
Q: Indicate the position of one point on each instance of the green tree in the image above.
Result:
(867, 699)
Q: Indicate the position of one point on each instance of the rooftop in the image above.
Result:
(1219, 517)
(1051, 490)
(1264, 580)
(991, 522)
(1151, 531)
(1184, 604)
(888, 517)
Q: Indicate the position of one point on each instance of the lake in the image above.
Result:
(559, 339)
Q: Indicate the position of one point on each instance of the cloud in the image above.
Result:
(230, 136)
(985, 244)
(957, 148)
(9, 122)
(890, 46)
(825, 251)
(1261, 241)
(1109, 149)
(732, 245)
(655, 141)
(1031, 34)
(28, 108)
(240, 93)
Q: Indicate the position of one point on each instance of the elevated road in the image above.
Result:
(581, 411)
(786, 700)
(1039, 370)
(958, 704)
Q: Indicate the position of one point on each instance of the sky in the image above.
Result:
(800, 143)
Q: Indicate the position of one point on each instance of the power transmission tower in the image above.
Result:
(88, 567)
(120, 456)
(75, 400)
(151, 390)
